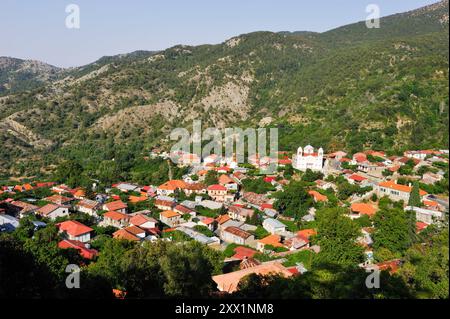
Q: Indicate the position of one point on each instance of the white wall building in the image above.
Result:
(308, 159)
(274, 226)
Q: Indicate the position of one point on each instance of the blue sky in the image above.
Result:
(33, 29)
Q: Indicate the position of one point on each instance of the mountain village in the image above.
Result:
(216, 205)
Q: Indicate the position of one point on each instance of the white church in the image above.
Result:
(307, 158)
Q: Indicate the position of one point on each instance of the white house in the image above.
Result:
(426, 215)
(87, 206)
(236, 235)
(74, 230)
(274, 226)
(53, 211)
(308, 159)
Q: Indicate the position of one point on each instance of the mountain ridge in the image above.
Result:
(382, 92)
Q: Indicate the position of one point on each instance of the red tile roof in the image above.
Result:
(75, 244)
(169, 214)
(58, 199)
(399, 187)
(272, 240)
(117, 205)
(172, 185)
(357, 178)
(135, 230)
(125, 235)
(317, 196)
(115, 215)
(229, 282)
(222, 219)
(140, 219)
(363, 209)
(47, 209)
(243, 252)
(225, 179)
(237, 232)
(74, 228)
(208, 220)
(217, 187)
(306, 233)
(420, 226)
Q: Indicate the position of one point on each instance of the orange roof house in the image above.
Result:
(217, 187)
(363, 209)
(400, 188)
(430, 203)
(318, 197)
(172, 185)
(272, 240)
(141, 219)
(115, 215)
(420, 226)
(116, 206)
(222, 219)
(229, 282)
(357, 178)
(85, 252)
(242, 252)
(48, 209)
(306, 233)
(225, 179)
(58, 199)
(125, 235)
(169, 214)
(135, 230)
(74, 228)
(137, 199)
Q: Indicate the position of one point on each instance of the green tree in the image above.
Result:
(414, 197)
(311, 176)
(426, 267)
(394, 230)
(211, 178)
(70, 172)
(293, 201)
(336, 237)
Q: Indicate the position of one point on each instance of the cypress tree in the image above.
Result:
(414, 197)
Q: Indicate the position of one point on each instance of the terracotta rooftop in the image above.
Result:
(237, 232)
(123, 234)
(229, 282)
(74, 228)
(115, 215)
(169, 214)
(272, 240)
(399, 187)
(47, 209)
(363, 209)
(117, 205)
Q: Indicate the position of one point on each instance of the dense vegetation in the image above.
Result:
(360, 88)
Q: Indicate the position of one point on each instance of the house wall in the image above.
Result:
(170, 221)
(231, 238)
(84, 238)
(115, 223)
(393, 194)
(60, 212)
(85, 210)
